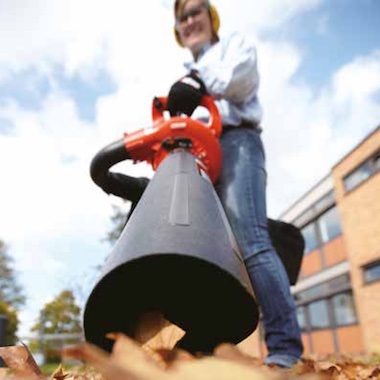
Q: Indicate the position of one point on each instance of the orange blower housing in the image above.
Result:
(153, 144)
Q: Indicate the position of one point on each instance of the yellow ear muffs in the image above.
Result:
(215, 24)
(215, 20)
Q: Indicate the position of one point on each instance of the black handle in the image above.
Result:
(121, 185)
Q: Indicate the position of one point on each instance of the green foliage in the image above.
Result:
(10, 291)
(76, 367)
(48, 369)
(12, 323)
(62, 315)
(34, 345)
(11, 296)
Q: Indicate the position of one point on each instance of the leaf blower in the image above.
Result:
(176, 254)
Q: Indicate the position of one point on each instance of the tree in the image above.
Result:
(62, 315)
(12, 324)
(119, 219)
(10, 290)
(11, 295)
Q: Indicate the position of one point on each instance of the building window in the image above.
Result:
(344, 309)
(371, 272)
(317, 291)
(376, 162)
(316, 209)
(363, 172)
(329, 224)
(305, 217)
(309, 233)
(322, 230)
(329, 304)
(325, 202)
(357, 177)
(319, 314)
(301, 317)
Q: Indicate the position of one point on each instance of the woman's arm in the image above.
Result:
(229, 69)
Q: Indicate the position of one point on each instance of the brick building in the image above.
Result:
(338, 291)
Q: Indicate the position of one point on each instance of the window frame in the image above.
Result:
(318, 220)
(373, 166)
(314, 227)
(331, 312)
(317, 227)
(319, 207)
(334, 309)
(327, 304)
(372, 264)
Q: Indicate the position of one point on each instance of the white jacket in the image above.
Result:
(229, 71)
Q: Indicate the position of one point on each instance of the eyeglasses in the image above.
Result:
(192, 12)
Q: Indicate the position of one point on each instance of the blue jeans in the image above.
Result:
(242, 190)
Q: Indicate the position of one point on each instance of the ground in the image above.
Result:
(131, 360)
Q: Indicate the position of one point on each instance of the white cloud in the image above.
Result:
(307, 132)
(254, 16)
(358, 80)
(46, 204)
(131, 40)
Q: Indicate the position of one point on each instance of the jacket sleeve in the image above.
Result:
(229, 71)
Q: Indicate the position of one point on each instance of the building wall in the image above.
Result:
(330, 254)
(360, 217)
(340, 259)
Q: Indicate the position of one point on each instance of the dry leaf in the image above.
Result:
(119, 365)
(329, 368)
(369, 372)
(174, 355)
(126, 350)
(156, 332)
(231, 352)
(20, 361)
(211, 368)
(304, 367)
(131, 360)
(59, 373)
(3, 373)
(128, 361)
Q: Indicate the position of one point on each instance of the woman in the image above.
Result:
(227, 70)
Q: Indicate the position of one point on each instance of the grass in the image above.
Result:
(48, 368)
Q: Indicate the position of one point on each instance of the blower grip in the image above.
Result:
(121, 185)
(159, 105)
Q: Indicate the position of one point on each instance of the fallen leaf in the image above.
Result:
(304, 367)
(132, 360)
(4, 372)
(175, 355)
(119, 365)
(155, 331)
(59, 373)
(211, 368)
(20, 361)
(329, 368)
(231, 352)
(368, 372)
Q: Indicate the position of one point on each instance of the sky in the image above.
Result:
(77, 74)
